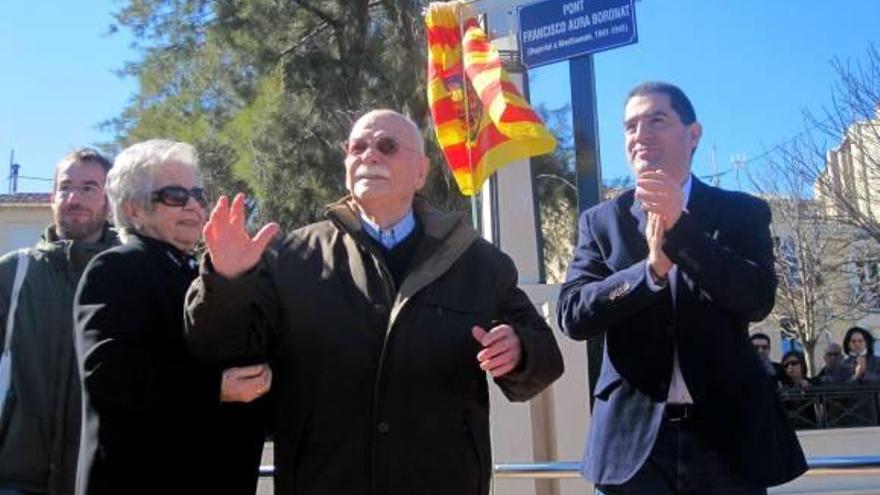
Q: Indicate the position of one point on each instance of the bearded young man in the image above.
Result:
(40, 421)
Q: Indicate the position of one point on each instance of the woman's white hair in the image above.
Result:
(133, 176)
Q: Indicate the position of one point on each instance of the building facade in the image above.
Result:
(23, 217)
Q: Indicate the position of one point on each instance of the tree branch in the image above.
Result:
(324, 16)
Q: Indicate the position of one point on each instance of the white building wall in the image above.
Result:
(21, 226)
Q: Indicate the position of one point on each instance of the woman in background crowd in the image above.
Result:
(153, 421)
(794, 371)
(794, 381)
(859, 365)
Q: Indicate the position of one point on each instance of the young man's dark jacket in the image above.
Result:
(378, 387)
(39, 433)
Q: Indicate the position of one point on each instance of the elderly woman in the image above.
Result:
(153, 421)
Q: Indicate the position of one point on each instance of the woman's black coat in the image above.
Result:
(153, 422)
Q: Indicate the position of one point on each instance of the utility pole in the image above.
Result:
(716, 179)
(13, 173)
(738, 160)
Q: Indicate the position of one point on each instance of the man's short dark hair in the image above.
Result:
(761, 336)
(84, 155)
(677, 99)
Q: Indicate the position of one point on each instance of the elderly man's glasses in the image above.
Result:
(387, 145)
(179, 195)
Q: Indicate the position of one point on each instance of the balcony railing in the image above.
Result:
(816, 407)
(572, 469)
(832, 406)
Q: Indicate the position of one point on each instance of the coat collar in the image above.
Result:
(171, 258)
(67, 254)
(108, 236)
(704, 205)
(635, 209)
(446, 237)
(436, 223)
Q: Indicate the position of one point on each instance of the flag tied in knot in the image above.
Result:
(481, 120)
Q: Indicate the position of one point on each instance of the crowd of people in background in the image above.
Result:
(848, 376)
(853, 363)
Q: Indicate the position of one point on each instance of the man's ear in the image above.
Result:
(695, 131)
(107, 212)
(423, 168)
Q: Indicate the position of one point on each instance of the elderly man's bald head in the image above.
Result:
(411, 133)
(385, 165)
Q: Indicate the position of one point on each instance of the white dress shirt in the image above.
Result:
(678, 391)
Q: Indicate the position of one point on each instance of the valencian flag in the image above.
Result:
(481, 119)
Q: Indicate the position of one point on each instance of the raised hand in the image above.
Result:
(246, 383)
(233, 252)
(502, 350)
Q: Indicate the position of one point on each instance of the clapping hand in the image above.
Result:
(660, 194)
(663, 200)
(659, 263)
(861, 364)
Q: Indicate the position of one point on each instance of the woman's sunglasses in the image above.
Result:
(179, 195)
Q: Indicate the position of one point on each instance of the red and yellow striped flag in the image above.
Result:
(481, 120)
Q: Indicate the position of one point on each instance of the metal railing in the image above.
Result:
(572, 469)
(560, 470)
(832, 406)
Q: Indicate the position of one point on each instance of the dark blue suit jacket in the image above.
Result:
(725, 279)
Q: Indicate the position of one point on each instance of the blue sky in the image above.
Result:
(56, 82)
(751, 67)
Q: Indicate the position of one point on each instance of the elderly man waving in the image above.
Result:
(381, 321)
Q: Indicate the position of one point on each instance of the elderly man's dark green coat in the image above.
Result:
(378, 386)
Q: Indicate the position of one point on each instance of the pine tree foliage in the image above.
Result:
(267, 91)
